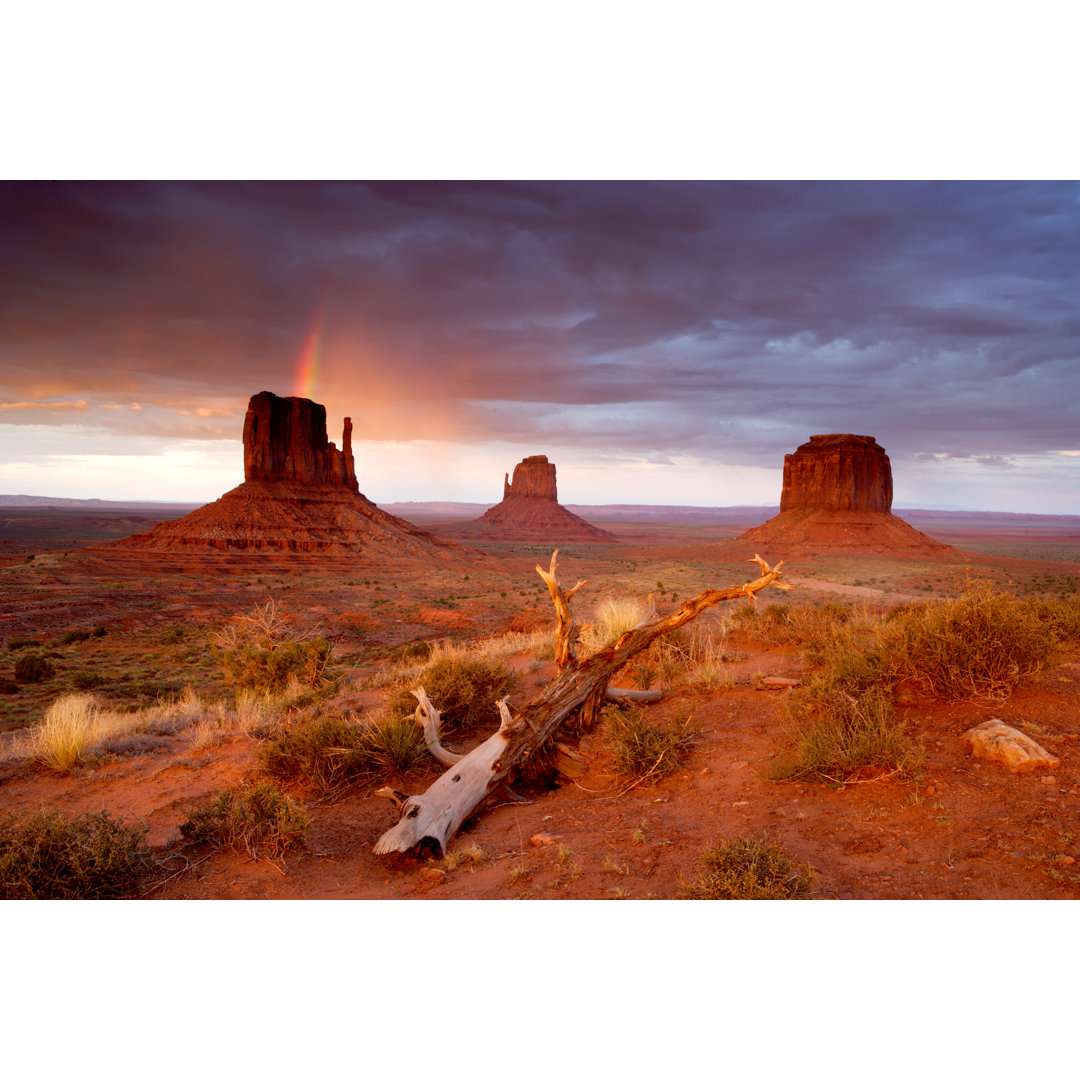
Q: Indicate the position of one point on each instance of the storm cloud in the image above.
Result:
(721, 321)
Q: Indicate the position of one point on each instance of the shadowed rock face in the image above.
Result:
(285, 439)
(534, 478)
(838, 495)
(838, 472)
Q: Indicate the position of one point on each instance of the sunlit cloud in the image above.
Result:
(42, 406)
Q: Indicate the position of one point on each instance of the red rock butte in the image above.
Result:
(837, 495)
(530, 510)
(300, 493)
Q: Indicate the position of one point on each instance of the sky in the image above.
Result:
(662, 342)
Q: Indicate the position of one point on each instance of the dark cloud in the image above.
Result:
(726, 320)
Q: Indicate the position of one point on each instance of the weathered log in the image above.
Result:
(432, 818)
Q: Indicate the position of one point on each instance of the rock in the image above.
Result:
(996, 741)
(530, 511)
(431, 875)
(534, 478)
(285, 439)
(299, 494)
(542, 839)
(837, 493)
(838, 472)
(777, 682)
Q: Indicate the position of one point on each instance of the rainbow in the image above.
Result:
(307, 371)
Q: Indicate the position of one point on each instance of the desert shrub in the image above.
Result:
(48, 856)
(8, 686)
(73, 636)
(263, 652)
(333, 750)
(33, 668)
(840, 732)
(748, 868)
(977, 645)
(644, 747)
(14, 644)
(260, 820)
(1062, 616)
(464, 688)
(87, 680)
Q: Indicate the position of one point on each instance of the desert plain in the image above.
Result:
(138, 627)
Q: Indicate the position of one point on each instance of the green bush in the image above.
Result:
(73, 636)
(262, 652)
(260, 820)
(465, 690)
(48, 856)
(33, 668)
(747, 868)
(330, 751)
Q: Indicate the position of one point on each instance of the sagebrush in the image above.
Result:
(259, 820)
(48, 856)
(333, 750)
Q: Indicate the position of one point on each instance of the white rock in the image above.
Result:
(996, 741)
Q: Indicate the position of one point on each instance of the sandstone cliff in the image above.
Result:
(837, 495)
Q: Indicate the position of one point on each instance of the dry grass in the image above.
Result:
(645, 747)
(613, 617)
(75, 726)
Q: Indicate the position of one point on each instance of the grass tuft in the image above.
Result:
(749, 868)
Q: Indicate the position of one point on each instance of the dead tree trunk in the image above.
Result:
(433, 818)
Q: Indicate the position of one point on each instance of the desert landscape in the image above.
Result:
(237, 681)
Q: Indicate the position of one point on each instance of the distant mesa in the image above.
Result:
(300, 493)
(530, 510)
(837, 494)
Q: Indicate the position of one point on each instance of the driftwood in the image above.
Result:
(431, 819)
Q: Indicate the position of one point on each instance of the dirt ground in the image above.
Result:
(965, 830)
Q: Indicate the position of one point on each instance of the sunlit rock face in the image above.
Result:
(837, 496)
(838, 472)
(299, 494)
(534, 478)
(285, 439)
